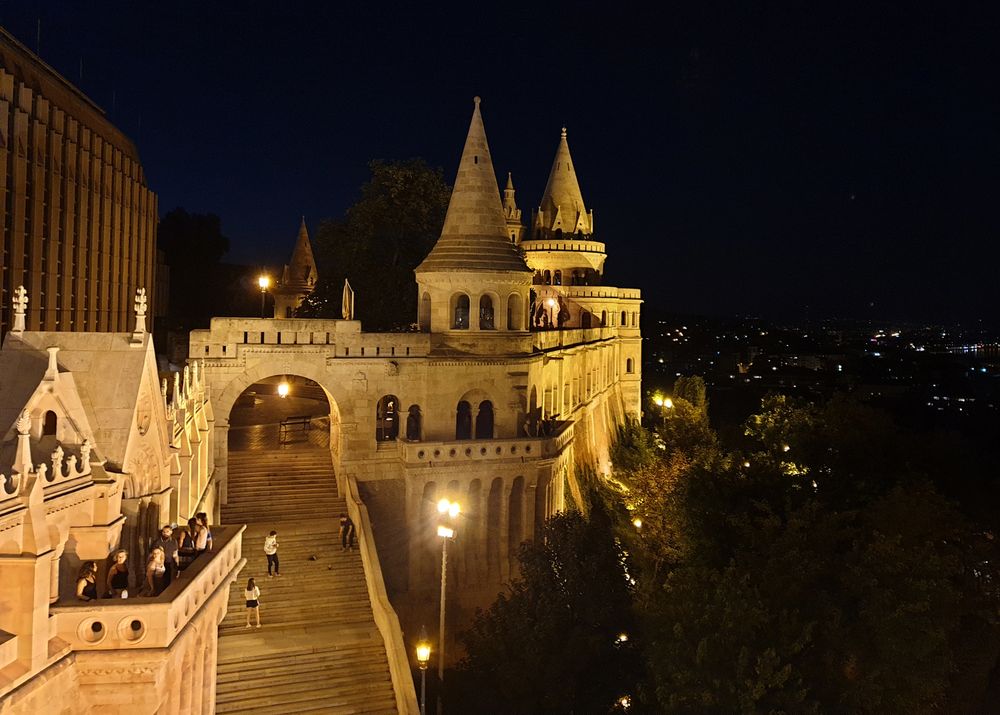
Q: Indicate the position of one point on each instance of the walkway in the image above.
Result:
(319, 649)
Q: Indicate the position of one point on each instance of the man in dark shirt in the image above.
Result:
(346, 533)
(167, 542)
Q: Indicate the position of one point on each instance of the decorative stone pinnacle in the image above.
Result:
(20, 308)
(477, 100)
(140, 316)
(52, 371)
(563, 134)
(23, 422)
(85, 450)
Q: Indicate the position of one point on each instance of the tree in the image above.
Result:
(378, 243)
(193, 246)
(552, 644)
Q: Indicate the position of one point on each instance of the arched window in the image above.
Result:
(547, 278)
(604, 318)
(486, 313)
(585, 319)
(387, 418)
(629, 366)
(634, 318)
(463, 421)
(460, 312)
(424, 312)
(624, 322)
(557, 278)
(413, 423)
(514, 312)
(50, 423)
(484, 420)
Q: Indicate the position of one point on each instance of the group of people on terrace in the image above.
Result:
(170, 553)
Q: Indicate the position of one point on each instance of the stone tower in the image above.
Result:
(299, 277)
(562, 249)
(473, 287)
(515, 229)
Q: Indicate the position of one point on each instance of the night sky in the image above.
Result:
(827, 160)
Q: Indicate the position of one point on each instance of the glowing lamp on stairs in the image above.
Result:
(283, 389)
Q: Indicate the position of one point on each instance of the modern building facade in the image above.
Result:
(79, 221)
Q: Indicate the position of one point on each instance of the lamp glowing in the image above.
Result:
(264, 281)
(283, 389)
(637, 523)
(451, 508)
(668, 403)
(423, 649)
(446, 532)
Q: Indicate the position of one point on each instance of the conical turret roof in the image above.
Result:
(474, 237)
(562, 194)
(301, 270)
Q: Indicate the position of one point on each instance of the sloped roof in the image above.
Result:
(301, 270)
(562, 191)
(474, 237)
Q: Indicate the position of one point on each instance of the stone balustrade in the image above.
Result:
(465, 450)
(577, 246)
(552, 339)
(59, 471)
(153, 622)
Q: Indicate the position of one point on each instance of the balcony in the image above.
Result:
(154, 622)
(480, 450)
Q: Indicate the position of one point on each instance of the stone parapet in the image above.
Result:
(436, 454)
(153, 622)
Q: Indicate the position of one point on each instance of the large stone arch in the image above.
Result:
(227, 388)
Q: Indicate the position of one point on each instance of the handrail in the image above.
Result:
(385, 616)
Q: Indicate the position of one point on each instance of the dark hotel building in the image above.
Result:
(79, 221)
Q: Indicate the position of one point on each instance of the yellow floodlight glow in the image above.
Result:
(264, 281)
(446, 532)
(283, 389)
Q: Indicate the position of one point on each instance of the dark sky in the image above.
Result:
(815, 159)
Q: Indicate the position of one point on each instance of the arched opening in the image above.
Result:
(557, 278)
(514, 312)
(413, 424)
(547, 278)
(585, 319)
(484, 420)
(486, 313)
(50, 423)
(282, 452)
(474, 561)
(515, 508)
(387, 418)
(424, 312)
(460, 312)
(635, 319)
(604, 318)
(629, 366)
(463, 421)
(531, 426)
(624, 320)
(493, 528)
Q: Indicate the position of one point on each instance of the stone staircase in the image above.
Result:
(318, 649)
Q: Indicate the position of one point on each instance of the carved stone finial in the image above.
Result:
(187, 381)
(52, 371)
(23, 422)
(140, 316)
(85, 450)
(43, 470)
(20, 308)
(57, 461)
(163, 389)
(177, 389)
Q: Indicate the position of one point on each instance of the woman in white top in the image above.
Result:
(252, 595)
(271, 552)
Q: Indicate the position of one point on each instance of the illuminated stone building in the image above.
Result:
(79, 221)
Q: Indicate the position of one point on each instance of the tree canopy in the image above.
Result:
(810, 566)
(378, 243)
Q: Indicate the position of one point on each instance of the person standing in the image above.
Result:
(346, 533)
(168, 543)
(185, 548)
(271, 552)
(200, 533)
(202, 518)
(86, 581)
(118, 575)
(252, 595)
(156, 573)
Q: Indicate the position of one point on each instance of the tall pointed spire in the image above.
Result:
(301, 270)
(474, 236)
(562, 204)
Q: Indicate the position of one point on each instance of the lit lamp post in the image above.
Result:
(283, 389)
(450, 510)
(264, 281)
(551, 302)
(423, 656)
(664, 403)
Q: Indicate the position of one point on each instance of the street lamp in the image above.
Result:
(551, 302)
(264, 281)
(449, 510)
(423, 656)
(283, 389)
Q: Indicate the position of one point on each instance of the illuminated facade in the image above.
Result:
(79, 221)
